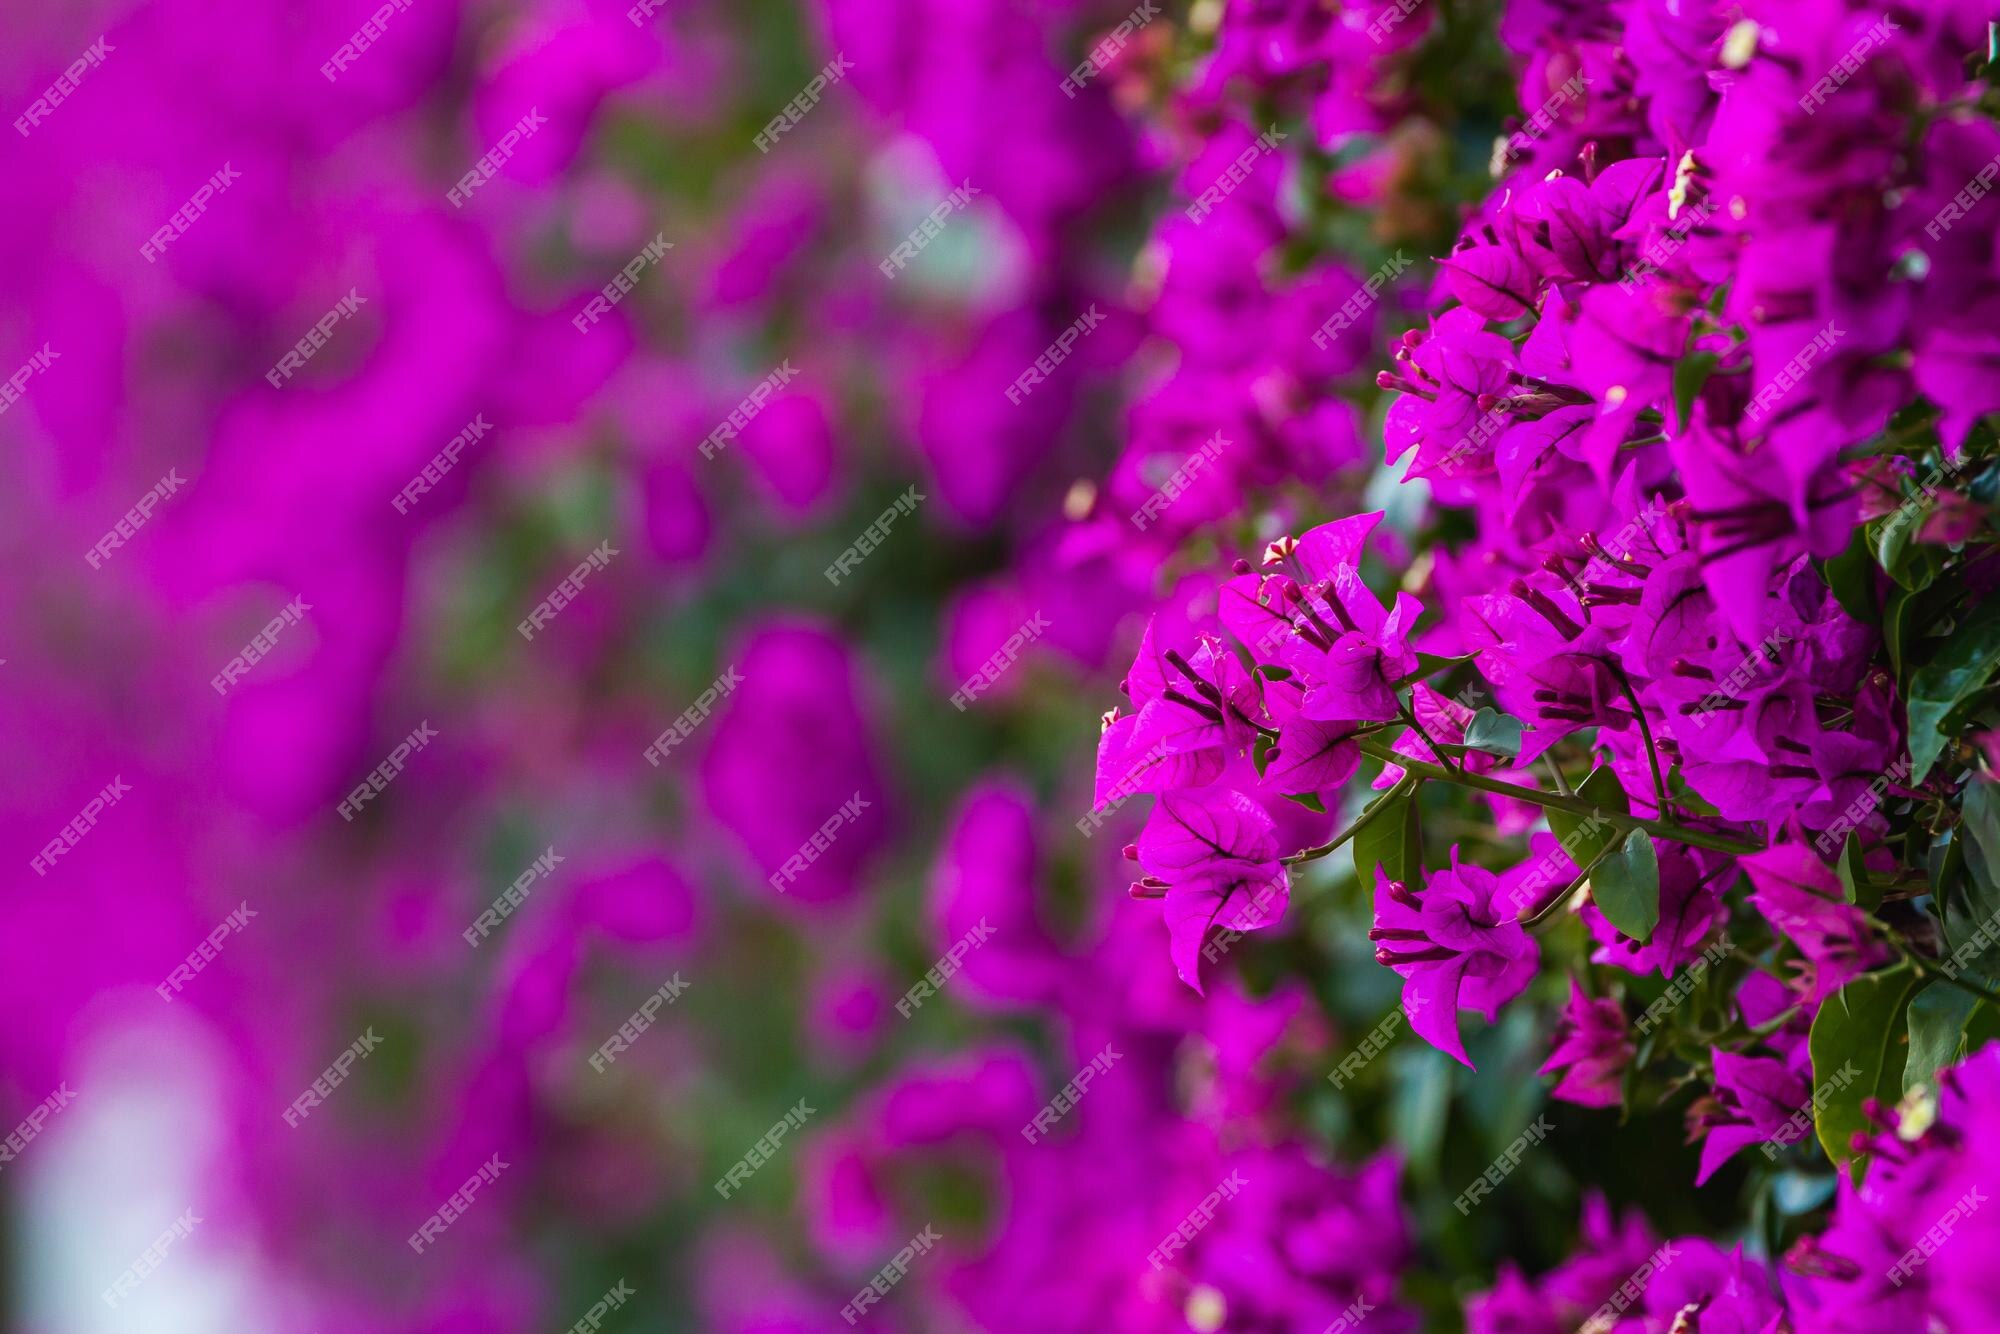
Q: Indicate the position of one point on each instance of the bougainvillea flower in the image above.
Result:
(1756, 1100)
(1455, 945)
(1801, 896)
(1213, 858)
(1592, 1050)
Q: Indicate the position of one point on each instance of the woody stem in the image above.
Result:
(1361, 821)
(1697, 838)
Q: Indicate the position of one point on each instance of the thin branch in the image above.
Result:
(1698, 838)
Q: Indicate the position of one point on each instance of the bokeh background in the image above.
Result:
(304, 933)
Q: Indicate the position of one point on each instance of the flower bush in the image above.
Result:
(566, 554)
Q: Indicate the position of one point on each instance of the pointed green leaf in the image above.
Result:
(1602, 790)
(1960, 670)
(1391, 840)
(1947, 1024)
(1851, 576)
(1863, 1026)
(1626, 887)
(1494, 733)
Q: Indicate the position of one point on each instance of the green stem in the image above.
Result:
(1928, 969)
(1361, 821)
(1698, 838)
(1572, 886)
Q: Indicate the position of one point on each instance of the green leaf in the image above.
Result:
(1896, 630)
(1392, 840)
(1494, 733)
(1959, 671)
(1966, 889)
(1981, 826)
(1602, 790)
(1863, 1025)
(1691, 372)
(1851, 576)
(1626, 887)
(1309, 800)
(1909, 562)
(1855, 886)
(1947, 1024)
